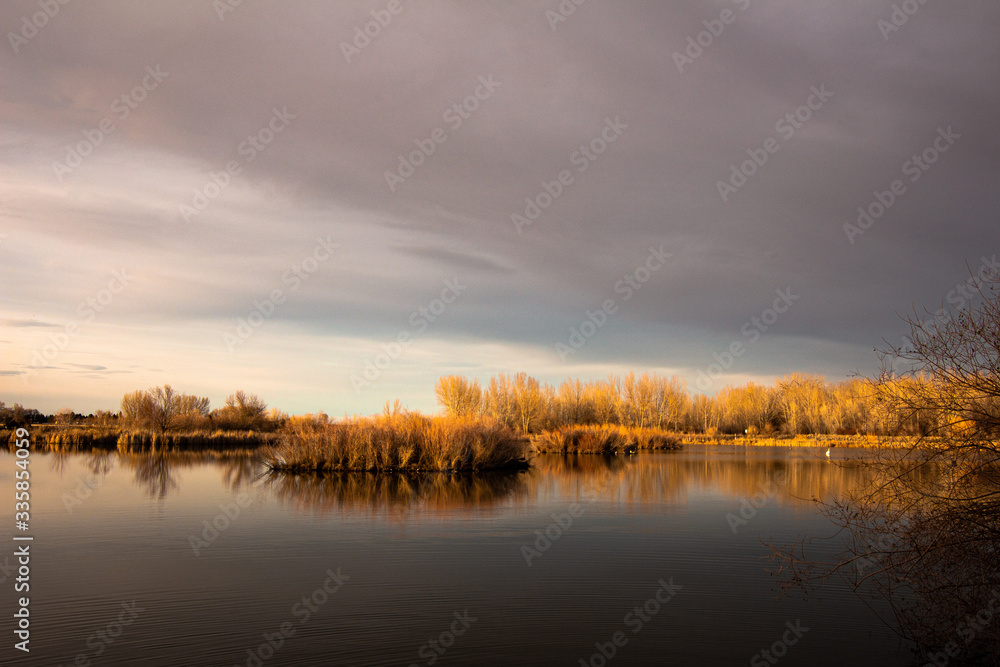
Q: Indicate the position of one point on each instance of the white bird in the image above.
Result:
(827, 452)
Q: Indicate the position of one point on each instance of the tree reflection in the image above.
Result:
(152, 471)
(241, 471)
(394, 494)
(644, 483)
(101, 462)
(59, 461)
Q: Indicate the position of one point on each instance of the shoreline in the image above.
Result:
(606, 439)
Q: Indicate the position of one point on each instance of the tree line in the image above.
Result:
(163, 409)
(796, 404)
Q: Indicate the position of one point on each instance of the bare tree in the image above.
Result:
(247, 410)
(165, 405)
(136, 408)
(530, 403)
(64, 416)
(573, 404)
(924, 532)
(458, 396)
(162, 408)
(499, 400)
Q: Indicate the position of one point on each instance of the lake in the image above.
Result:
(640, 560)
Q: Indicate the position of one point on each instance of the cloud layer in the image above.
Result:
(311, 174)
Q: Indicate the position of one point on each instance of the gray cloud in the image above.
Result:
(325, 173)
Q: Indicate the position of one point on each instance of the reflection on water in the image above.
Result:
(155, 471)
(101, 462)
(638, 519)
(393, 493)
(631, 481)
(649, 479)
(666, 478)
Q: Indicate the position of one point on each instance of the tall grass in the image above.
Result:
(88, 438)
(399, 442)
(819, 440)
(145, 441)
(45, 437)
(603, 439)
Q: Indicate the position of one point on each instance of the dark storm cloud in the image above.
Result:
(529, 98)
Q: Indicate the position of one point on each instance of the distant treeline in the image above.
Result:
(18, 415)
(795, 405)
(159, 409)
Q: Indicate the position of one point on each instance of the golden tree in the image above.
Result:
(458, 396)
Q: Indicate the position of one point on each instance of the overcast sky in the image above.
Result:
(340, 176)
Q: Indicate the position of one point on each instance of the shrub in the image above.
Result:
(398, 441)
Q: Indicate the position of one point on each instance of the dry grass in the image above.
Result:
(770, 440)
(46, 437)
(146, 441)
(603, 439)
(398, 442)
(68, 439)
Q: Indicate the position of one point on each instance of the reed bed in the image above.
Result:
(399, 442)
(45, 437)
(148, 441)
(603, 439)
(87, 438)
(818, 440)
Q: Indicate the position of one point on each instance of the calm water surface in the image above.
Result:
(365, 570)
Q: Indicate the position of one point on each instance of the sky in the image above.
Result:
(331, 205)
